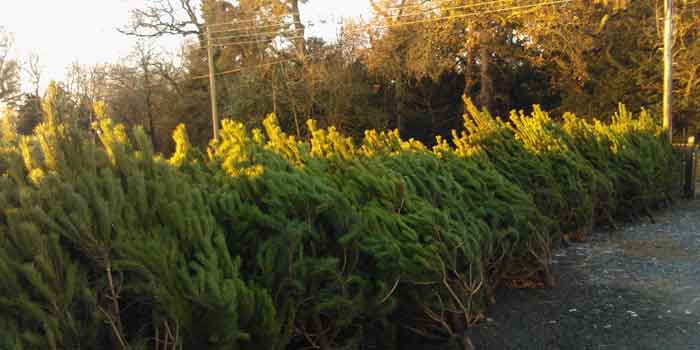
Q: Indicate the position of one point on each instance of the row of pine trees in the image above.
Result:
(266, 241)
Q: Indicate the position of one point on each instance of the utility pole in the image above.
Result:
(668, 68)
(212, 86)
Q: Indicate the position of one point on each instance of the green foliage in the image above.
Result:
(109, 246)
(270, 241)
(534, 152)
(634, 154)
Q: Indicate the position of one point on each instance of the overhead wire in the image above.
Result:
(280, 23)
(285, 15)
(463, 15)
(239, 69)
(401, 15)
(485, 3)
(247, 20)
(398, 24)
(417, 4)
(242, 29)
(390, 25)
(298, 13)
(246, 35)
(235, 43)
(424, 9)
(280, 17)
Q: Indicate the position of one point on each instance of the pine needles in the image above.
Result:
(272, 242)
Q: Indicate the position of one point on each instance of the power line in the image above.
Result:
(429, 20)
(439, 6)
(411, 14)
(247, 20)
(285, 15)
(235, 43)
(242, 29)
(246, 35)
(281, 18)
(398, 24)
(404, 23)
(398, 16)
(274, 25)
(239, 69)
(398, 7)
(282, 23)
(210, 48)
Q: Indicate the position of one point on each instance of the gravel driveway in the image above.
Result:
(634, 288)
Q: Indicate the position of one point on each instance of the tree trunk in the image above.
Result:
(398, 110)
(467, 73)
(300, 42)
(149, 107)
(274, 94)
(398, 121)
(485, 80)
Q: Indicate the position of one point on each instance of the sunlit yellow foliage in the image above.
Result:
(462, 147)
(183, 148)
(49, 104)
(442, 147)
(535, 131)
(114, 138)
(236, 150)
(285, 145)
(386, 230)
(7, 127)
(624, 123)
(327, 143)
(100, 108)
(32, 162)
(388, 142)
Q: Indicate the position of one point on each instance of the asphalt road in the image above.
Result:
(637, 287)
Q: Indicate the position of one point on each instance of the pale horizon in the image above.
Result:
(85, 31)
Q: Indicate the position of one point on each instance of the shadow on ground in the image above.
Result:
(634, 288)
(578, 315)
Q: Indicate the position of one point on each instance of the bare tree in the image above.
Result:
(87, 84)
(33, 70)
(299, 28)
(9, 70)
(145, 56)
(166, 17)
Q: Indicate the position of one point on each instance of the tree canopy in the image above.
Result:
(406, 68)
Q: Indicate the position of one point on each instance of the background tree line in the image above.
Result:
(581, 56)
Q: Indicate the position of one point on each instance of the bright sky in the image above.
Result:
(84, 31)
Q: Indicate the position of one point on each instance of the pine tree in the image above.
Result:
(270, 241)
(121, 249)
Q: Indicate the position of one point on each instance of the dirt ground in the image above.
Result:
(637, 287)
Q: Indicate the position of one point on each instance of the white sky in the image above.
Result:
(84, 31)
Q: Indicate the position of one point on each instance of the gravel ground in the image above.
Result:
(634, 288)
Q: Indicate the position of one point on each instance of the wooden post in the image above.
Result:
(212, 87)
(668, 62)
(691, 168)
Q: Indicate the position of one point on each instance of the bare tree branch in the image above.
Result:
(33, 70)
(9, 70)
(163, 17)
